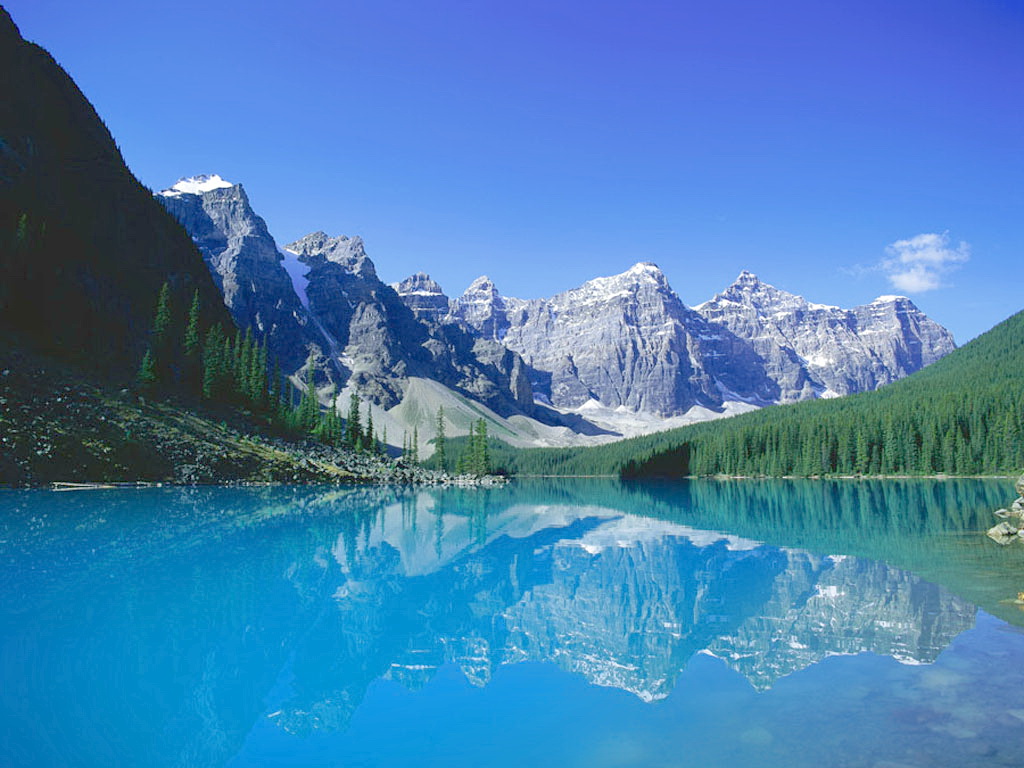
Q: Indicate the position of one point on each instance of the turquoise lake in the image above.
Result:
(547, 623)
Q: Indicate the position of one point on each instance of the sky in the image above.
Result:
(840, 150)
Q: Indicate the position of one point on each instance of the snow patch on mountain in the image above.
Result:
(298, 272)
(196, 185)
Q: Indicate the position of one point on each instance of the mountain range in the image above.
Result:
(618, 356)
(87, 248)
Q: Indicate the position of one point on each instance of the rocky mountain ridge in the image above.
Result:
(618, 355)
(628, 340)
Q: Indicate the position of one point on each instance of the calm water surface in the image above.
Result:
(562, 623)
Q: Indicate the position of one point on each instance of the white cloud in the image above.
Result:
(919, 263)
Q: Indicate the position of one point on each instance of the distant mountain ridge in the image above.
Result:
(619, 355)
(628, 340)
(816, 350)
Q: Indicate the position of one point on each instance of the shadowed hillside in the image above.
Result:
(84, 247)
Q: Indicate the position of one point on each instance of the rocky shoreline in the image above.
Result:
(57, 427)
(1011, 525)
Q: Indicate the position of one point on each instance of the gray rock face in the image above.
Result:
(369, 329)
(484, 309)
(347, 252)
(625, 340)
(814, 350)
(323, 295)
(423, 296)
(245, 263)
(628, 340)
(384, 338)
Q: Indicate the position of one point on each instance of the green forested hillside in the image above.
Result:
(961, 415)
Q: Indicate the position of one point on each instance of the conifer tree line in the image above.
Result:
(237, 370)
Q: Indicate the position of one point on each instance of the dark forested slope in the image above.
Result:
(84, 247)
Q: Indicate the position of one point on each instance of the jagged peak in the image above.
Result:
(482, 284)
(641, 273)
(197, 185)
(749, 283)
(890, 299)
(750, 290)
(746, 277)
(418, 283)
(644, 268)
(349, 252)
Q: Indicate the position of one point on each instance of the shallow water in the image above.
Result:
(570, 623)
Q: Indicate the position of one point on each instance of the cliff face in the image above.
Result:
(381, 341)
(818, 350)
(628, 341)
(246, 264)
(85, 247)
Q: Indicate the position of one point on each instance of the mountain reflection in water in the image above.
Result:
(191, 614)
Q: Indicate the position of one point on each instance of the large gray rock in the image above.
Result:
(625, 340)
(321, 294)
(370, 331)
(1019, 486)
(1004, 532)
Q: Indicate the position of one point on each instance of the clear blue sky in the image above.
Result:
(545, 142)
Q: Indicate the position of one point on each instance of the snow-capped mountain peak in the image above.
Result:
(196, 185)
(482, 284)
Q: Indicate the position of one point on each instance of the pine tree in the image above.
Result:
(257, 375)
(353, 429)
(160, 338)
(368, 441)
(163, 317)
(308, 417)
(191, 343)
(193, 349)
(146, 376)
(213, 353)
(415, 447)
(440, 443)
(274, 396)
(483, 463)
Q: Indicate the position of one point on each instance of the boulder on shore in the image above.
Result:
(1020, 486)
(1003, 533)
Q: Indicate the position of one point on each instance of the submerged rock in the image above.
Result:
(1020, 486)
